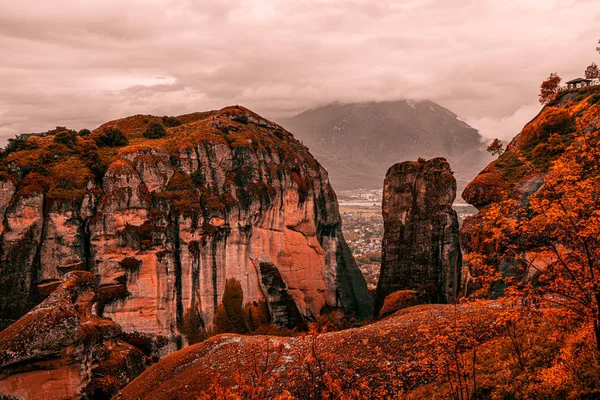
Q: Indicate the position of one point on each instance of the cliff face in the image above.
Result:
(164, 222)
(420, 249)
(59, 350)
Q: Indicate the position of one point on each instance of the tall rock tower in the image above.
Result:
(420, 249)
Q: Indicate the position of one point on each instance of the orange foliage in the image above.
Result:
(553, 240)
(549, 88)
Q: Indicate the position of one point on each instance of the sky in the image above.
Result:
(81, 63)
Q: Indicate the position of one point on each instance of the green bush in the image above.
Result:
(595, 98)
(257, 315)
(233, 301)
(193, 326)
(66, 137)
(170, 121)
(155, 131)
(111, 137)
(17, 143)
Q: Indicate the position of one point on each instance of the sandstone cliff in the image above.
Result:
(420, 249)
(166, 221)
(59, 350)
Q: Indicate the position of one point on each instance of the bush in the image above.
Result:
(17, 143)
(170, 121)
(111, 137)
(66, 137)
(193, 326)
(84, 132)
(155, 131)
(242, 119)
(92, 159)
(221, 321)
(233, 301)
(399, 300)
(595, 98)
(257, 315)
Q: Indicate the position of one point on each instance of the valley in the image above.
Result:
(362, 225)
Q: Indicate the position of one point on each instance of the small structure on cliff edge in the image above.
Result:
(579, 83)
(420, 249)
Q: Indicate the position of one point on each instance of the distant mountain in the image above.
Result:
(357, 143)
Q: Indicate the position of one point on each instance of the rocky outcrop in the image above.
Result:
(420, 249)
(165, 222)
(59, 350)
(385, 358)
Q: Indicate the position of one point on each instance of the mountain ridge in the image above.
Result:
(357, 142)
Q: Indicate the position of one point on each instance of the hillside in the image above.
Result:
(422, 352)
(555, 135)
(357, 143)
(170, 212)
(533, 246)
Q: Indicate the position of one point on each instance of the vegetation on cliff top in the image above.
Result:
(61, 163)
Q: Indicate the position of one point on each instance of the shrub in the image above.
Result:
(242, 119)
(595, 98)
(257, 315)
(233, 301)
(399, 300)
(17, 143)
(221, 321)
(170, 121)
(111, 137)
(92, 159)
(84, 132)
(66, 137)
(193, 326)
(155, 131)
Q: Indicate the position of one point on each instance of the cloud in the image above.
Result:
(505, 128)
(82, 63)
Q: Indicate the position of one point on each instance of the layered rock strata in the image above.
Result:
(165, 222)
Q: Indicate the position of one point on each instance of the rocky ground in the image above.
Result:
(379, 358)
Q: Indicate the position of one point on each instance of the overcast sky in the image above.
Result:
(81, 63)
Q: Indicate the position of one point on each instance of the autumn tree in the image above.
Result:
(592, 71)
(495, 148)
(549, 88)
(555, 239)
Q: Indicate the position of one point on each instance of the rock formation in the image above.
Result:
(59, 350)
(165, 222)
(420, 249)
(386, 358)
